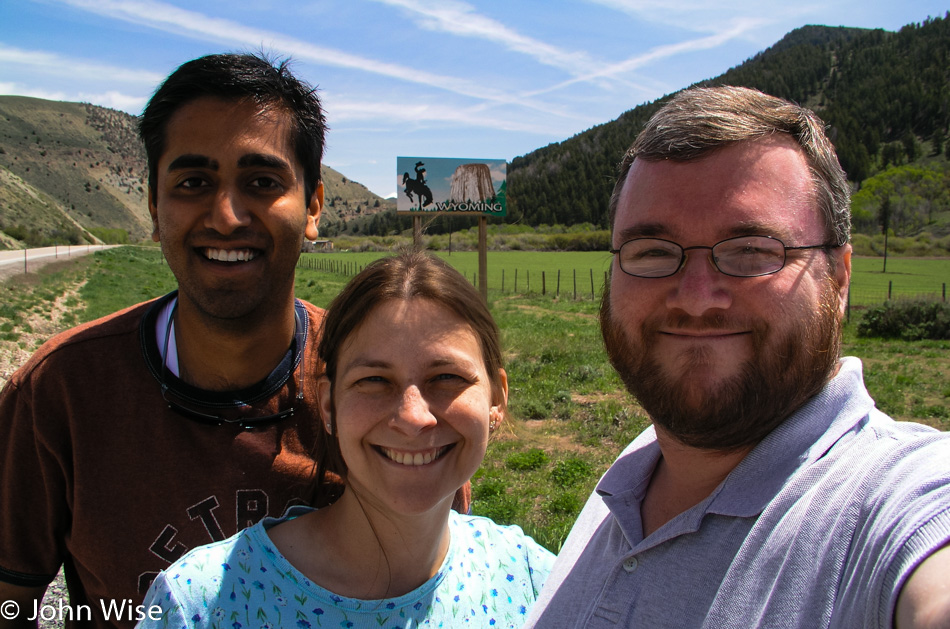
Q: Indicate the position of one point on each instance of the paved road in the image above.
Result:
(13, 262)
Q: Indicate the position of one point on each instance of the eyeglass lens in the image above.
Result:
(745, 256)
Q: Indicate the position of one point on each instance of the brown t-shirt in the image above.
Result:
(97, 473)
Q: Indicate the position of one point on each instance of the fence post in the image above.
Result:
(890, 285)
(575, 284)
(557, 293)
(516, 280)
(945, 292)
(544, 286)
(503, 280)
(527, 274)
(24, 261)
(592, 297)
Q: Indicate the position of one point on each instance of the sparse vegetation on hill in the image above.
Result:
(66, 168)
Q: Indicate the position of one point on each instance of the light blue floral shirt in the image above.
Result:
(490, 577)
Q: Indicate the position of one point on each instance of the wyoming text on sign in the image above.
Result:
(449, 184)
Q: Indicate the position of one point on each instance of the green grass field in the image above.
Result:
(570, 414)
(905, 277)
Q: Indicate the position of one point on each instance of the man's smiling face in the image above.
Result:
(229, 207)
(714, 359)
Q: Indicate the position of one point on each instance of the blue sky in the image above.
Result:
(487, 79)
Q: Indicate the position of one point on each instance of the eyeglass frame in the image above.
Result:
(683, 256)
(244, 423)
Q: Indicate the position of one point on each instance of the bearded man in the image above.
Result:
(769, 491)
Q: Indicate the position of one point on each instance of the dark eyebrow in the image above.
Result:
(642, 230)
(752, 228)
(262, 160)
(192, 161)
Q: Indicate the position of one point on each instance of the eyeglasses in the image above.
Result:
(245, 418)
(744, 256)
(243, 422)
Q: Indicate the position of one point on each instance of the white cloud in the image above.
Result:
(415, 113)
(52, 64)
(116, 100)
(710, 16)
(460, 18)
(15, 89)
(735, 30)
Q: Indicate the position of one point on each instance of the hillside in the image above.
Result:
(74, 172)
(885, 96)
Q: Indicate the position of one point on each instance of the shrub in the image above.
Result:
(535, 409)
(489, 488)
(528, 460)
(564, 503)
(570, 472)
(910, 320)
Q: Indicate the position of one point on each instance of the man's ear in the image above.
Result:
(153, 212)
(314, 209)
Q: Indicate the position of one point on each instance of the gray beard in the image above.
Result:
(738, 413)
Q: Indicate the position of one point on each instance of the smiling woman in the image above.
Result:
(414, 386)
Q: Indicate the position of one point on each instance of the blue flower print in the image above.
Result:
(510, 577)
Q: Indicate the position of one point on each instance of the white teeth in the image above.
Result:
(419, 458)
(232, 255)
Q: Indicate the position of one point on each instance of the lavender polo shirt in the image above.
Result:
(819, 526)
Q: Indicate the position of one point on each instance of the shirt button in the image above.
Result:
(630, 564)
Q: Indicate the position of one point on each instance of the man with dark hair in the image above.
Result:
(177, 422)
(769, 491)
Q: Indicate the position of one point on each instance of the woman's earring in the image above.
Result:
(492, 420)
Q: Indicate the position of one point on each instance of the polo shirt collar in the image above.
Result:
(837, 410)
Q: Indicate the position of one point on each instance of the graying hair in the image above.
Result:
(698, 121)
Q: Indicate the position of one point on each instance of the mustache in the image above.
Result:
(707, 321)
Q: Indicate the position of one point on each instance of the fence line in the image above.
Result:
(586, 285)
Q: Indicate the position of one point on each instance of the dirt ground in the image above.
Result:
(11, 358)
